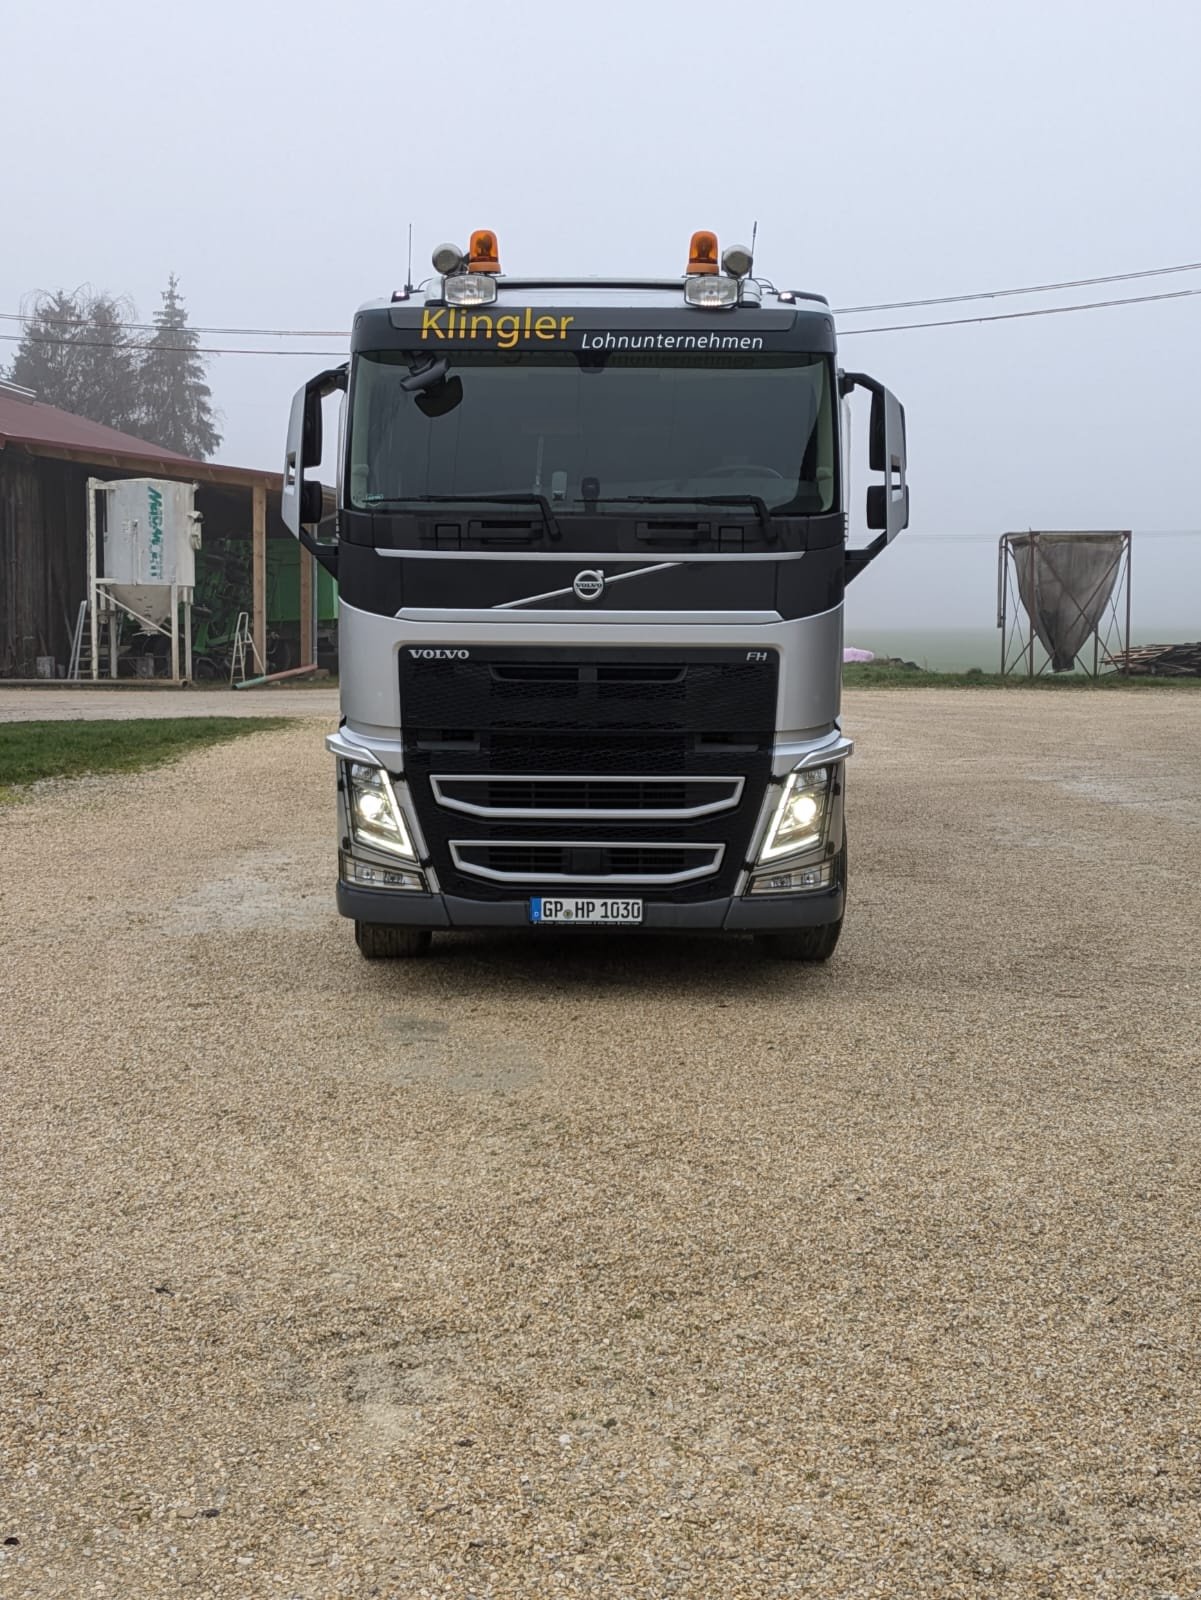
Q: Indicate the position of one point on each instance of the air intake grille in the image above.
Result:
(517, 760)
(549, 795)
(585, 861)
(555, 689)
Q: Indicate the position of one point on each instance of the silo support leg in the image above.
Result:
(259, 572)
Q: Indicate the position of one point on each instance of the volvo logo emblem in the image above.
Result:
(590, 584)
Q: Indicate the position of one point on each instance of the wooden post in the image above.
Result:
(259, 575)
(308, 622)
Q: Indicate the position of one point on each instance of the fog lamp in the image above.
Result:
(797, 879)
(370, 875)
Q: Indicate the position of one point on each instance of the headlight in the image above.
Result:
(800, 819)
(375, 817)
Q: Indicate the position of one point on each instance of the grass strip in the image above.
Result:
(30, 751)
(880, 675)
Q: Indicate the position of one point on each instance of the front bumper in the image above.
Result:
(734, 914)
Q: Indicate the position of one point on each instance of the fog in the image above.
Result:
(273, 156)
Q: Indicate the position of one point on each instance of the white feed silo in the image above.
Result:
(143, 535)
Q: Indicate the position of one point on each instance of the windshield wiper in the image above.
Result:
(539, 500)
(754, 500)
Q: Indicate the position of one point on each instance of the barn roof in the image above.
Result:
(46, 431)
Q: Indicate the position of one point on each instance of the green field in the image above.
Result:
(957, 649)
(881, 675)
(30, 751)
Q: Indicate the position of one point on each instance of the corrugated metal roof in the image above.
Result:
(30, 422)
(47, 431)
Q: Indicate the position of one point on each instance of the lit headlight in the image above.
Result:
(800, 819)
(375, 817)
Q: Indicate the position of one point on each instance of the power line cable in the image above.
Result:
(842, 311)
(1033, 288)
(1014, 316)
(153, 327)
(165, 349)
(978, 539)
(846, 333)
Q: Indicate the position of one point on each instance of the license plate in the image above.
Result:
(544, 908)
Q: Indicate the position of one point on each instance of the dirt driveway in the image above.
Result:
(556, 1268)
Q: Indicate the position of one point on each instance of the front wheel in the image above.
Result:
(382, 941)
(808, 944)
(801, 944)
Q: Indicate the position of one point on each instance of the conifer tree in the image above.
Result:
(76, 353)
(175, 403)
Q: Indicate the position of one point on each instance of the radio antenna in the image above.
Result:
(754, 236)
(409, 269)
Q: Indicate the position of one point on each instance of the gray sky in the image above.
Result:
(273, 156)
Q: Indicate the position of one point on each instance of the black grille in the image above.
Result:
(545, 690)
(568, 716)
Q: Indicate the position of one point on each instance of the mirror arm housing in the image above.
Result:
(325, 555)
(856, 560)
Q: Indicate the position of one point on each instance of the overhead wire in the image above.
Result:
(845, 333)
(27, 317)
(1015, 316)
(1030, 288)
(153, 327)
(166, 349)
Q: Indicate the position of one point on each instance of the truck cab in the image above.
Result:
(591, 548)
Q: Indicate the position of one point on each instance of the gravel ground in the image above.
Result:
(72, 704)
(601, 1268)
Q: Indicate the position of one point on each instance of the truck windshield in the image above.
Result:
(572, 427)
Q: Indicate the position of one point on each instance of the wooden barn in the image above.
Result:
(46, 458)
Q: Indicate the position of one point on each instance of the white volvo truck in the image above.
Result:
(591, 549)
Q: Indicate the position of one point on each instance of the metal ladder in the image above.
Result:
(243, 641)
(81, 644)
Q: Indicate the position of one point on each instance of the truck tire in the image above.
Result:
(381, 941)
(801, 944)
(808, 944)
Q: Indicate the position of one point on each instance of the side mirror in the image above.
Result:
(878, 503)
(310, 447)
(312, 502)
(887, 502)
(302, 501)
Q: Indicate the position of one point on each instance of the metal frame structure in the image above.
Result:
(1020, 645)
(102, 603)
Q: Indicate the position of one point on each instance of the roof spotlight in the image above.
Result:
(448, 258)
(736, 260)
